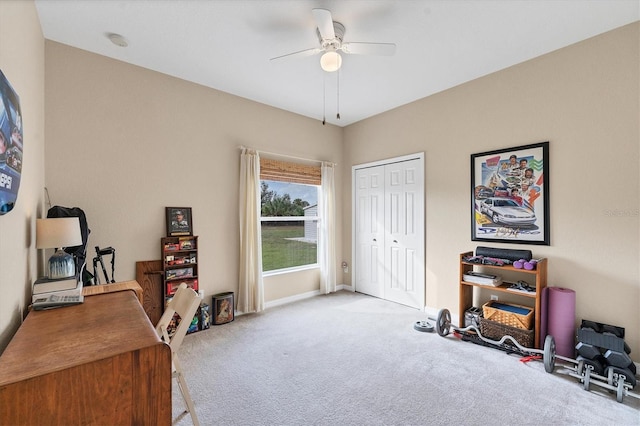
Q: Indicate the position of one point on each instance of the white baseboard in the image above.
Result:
(301, 296)
(432, 315)
(290, 299)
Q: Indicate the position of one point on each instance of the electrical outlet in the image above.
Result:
(494, 297)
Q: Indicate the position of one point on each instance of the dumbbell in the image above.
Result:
(614, 335)
(618, 359)
(587, 350)
(612, 329)
(529, 265)
(586, 324)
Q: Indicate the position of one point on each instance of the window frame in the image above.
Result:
(317, 218)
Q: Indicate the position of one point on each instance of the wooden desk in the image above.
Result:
(133, 285)
(100, 362)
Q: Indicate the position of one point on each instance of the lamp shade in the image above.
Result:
(58, 232)
(331, 61)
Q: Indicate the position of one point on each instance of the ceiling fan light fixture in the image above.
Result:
(331, 61)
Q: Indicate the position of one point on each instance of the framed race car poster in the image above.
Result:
(11, 145)
(510, 195)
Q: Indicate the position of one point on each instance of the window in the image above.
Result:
(289, 215)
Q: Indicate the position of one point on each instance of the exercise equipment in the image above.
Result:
(529, 265)
(502, 253)
(618, 359)
(616, 379)
(587, 350)
(424, 326)
(98, 259)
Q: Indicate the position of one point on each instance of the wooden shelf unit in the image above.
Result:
(179, 263)
(539, 275)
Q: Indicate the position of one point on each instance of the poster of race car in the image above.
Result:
(11, 145)
(510, 195)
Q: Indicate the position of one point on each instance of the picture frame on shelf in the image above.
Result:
(510, 195)
(179, 221)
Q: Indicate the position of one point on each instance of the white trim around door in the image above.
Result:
(388, 229)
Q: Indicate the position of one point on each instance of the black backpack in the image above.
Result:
(79, 253)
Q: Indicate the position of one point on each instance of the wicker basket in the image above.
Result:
(495, 331)
(508, 314)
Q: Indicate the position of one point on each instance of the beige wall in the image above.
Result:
(22, 62)
(124, 142)
(584, 100)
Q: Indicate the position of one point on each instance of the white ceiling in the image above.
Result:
(227, 45)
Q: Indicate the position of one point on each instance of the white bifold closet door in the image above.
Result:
(389, 231)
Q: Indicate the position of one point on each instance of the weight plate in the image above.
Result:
(549, 354)
(587, 378)
(423, 326)
(610, 372)
(620, 391)
(443, 322)
(615, 374)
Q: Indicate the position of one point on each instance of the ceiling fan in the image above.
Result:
(331, 38)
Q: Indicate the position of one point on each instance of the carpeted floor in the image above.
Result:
(351, 359)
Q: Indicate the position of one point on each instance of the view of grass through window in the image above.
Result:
(290, 240)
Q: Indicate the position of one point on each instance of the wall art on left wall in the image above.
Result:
(11, 145)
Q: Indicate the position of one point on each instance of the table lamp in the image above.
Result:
(59, 233)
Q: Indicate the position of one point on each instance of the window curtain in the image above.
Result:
(326, 236)
(250, 286)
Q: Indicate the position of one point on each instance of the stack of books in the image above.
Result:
(63, 289)
(482, 279)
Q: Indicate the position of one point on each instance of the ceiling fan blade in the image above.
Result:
(325, 23)
(300, 53)
(359, 48)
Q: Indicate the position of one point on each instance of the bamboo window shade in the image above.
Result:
(285, 171)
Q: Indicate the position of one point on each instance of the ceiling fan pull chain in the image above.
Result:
(338, 96)
(324, 98)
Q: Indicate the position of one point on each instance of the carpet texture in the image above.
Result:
(351, 359)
